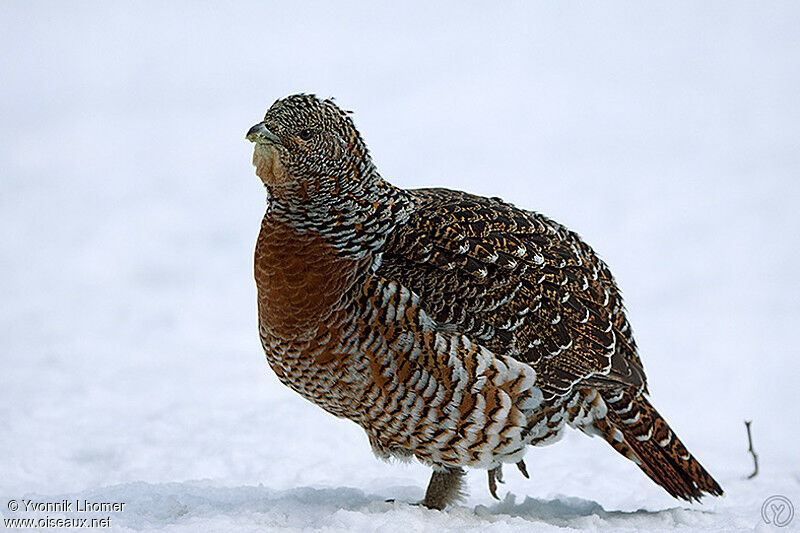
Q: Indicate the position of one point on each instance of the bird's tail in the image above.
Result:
(635, 429)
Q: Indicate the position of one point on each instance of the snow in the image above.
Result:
(667, 135)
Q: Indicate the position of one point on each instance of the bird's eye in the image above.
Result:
(306, 134)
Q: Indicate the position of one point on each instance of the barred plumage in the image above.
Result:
(453, 328)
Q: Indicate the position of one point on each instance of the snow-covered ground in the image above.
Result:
(668, 135)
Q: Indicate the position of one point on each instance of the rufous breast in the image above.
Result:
(302, 281)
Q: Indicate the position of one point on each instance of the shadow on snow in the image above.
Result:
(151, 505)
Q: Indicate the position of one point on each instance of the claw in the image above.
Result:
(499, 474)
(493, 482)
(523, 469)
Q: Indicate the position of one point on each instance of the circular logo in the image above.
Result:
(777, 510)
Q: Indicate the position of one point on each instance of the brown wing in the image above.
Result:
(518, 283)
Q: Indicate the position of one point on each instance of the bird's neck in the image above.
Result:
(353, 214)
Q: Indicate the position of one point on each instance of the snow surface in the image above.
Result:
(668, 135)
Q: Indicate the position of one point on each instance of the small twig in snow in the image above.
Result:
(751, 450)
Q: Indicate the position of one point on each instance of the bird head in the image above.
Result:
(320, 178)
(307, 145)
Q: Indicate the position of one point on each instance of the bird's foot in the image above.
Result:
(523, 469)
(496, 476)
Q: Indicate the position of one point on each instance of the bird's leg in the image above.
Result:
(444, 488)
(523, 469)
(495, 475)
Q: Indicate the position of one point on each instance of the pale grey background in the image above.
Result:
(666, 134)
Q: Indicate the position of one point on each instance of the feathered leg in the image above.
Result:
(444, 488)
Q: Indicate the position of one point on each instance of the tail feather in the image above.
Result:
(635, 429)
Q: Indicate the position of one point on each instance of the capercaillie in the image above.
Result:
(453, 328)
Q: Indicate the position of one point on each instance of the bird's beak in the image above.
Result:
(260, 134)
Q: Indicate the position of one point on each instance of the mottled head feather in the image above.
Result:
(320, 177)
(318, 141)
